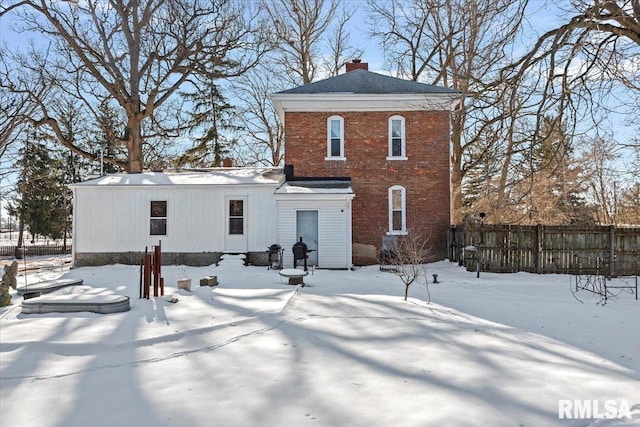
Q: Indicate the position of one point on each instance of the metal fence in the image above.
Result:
(34, 250)
(546, 249)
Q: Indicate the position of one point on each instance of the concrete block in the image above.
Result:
(209, 281)
(184, 284)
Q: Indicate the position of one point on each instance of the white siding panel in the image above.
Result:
(117, 219)
(193, 220)
(108, 219)
(287, 230)
(334, 230)
(262, 217)
(332, 238)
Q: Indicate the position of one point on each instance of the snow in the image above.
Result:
(300, 188)
(81, 298)
(501, 350)
(216, 176)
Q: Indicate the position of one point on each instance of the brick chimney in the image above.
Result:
(357, 64)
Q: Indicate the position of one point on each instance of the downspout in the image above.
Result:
(350, 236)
(73, 226)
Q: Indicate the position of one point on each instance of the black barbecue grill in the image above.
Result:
(300, 253)
(276, 253)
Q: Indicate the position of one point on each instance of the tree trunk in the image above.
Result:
(135, 158)
(19, 252)
(456, 169)
(502, 185)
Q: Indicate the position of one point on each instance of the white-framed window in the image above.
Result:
(158, 222)
(236, 216)
(397, 210)
(335, 138)
(397, 146)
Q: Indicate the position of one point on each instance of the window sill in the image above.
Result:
(397, 158)
(397, 233)
(337, 159)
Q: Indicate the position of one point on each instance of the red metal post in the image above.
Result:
(140, 280)
(147, 275)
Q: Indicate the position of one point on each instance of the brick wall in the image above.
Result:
(425, 174)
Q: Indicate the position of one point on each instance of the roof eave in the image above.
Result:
(316, 102)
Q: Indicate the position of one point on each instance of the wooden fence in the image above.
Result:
(34, 250)
(547, 249)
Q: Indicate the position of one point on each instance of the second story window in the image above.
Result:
(396, 139)
(335, 138)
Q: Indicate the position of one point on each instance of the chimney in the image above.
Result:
(227, 163)
(357, 64)
(288, 171)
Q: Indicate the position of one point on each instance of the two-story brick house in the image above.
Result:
(367, 156)
(390, 136)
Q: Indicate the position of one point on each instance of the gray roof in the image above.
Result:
(366, 82)
(325, 183)
(318, 187)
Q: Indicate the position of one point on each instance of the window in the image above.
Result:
(397, 210)
(335, 138)
(158, 218)
(236, 216)
(396, 139)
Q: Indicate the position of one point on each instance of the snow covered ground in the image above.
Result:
(345, 350)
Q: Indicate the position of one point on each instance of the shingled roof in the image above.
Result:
(367, 82)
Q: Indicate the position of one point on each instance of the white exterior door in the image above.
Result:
(236, 231)
(307, 228)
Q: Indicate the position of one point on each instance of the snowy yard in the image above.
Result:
(345, 350)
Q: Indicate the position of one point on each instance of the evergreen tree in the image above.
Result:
(211, 117)
(71, 167)
(108, 140)
(480, 182)
(39, 190)
(552, 189)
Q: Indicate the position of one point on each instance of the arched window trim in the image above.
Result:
(329, 139)
(403, 139)
(403, 209)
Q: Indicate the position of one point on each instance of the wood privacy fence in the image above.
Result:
(606, 250)
(34, 250)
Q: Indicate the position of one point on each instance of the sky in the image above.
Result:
(346, 349)
(542, 15)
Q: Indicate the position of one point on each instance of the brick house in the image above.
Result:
(367, 156)
(390, 137)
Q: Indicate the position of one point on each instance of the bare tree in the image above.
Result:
(312, 41)
(629, 206)
(301, 28)
(587, 71)
(581, 71)
(459, 44)
(601, 175)
(261, 140)
(340, 49)
(406, 256)
(137, 53)
(604, 32)
(15, 103)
